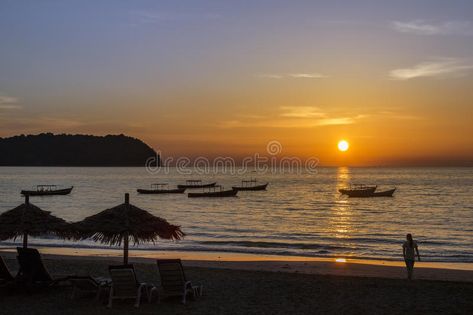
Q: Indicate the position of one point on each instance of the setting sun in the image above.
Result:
(343, 145)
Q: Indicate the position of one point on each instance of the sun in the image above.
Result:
(343, 145)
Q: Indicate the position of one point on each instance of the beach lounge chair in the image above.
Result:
(126, 286)
(87, 284)
(32, 269)
(174, 282)
(5, 275)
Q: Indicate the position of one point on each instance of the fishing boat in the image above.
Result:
(196, 183)
(161, 188)
(250, 185)
(214, 191)
(358, 190)
(47, 190)
(386, 193)
(363, 191)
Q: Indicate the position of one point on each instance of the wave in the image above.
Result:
(268, 248)
(271, 245)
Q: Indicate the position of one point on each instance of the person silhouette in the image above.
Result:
(409, 249)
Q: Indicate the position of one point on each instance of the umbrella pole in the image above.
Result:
(125, 245)
(25, 240)
(125, 250)
(25, 234)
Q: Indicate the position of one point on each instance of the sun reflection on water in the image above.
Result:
(341, 219)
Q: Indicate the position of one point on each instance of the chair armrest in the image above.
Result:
(188, 284)
(142, 285)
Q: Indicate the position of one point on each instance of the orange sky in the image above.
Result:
(223, 80)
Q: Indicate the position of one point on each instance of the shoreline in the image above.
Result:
(462, 272)
(229, 256)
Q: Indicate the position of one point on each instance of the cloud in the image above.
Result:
(301, 112)
(313, 75)
(336, 121)
(293, 117)
(307, 75)
(151, 17)
(421, 27)
(288, 123)
(398, 115)
(9, 102)
(438, 68)
(270, 76)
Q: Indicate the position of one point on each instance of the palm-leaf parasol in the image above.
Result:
(28, 219)
(125, 221)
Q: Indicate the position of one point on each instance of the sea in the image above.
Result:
(300, 214)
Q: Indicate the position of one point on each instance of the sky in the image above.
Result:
(223, 78)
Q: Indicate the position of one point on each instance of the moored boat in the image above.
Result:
(161, 188)
(386, 193)
(196, 183)
(250, 185)
(47, 190)
(214, 191)
(363, 191)
(358, 190)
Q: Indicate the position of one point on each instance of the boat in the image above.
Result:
(161, 188)
(363, 191)
(214, 191)
(195, 183)
(47, 190)
(386, 193)
(358, 190)
(250, 185)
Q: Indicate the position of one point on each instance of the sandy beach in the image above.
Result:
(239, 284)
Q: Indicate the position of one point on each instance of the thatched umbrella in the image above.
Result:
(125, 221)
(28, 219)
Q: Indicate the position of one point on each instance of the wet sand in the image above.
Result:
(261, 286)
(291, 264)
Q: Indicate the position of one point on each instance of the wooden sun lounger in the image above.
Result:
(174, 282)
(32, 270)
(126, 286)
(87, 284)
(5, 274)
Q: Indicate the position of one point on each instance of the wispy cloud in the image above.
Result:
(9, 102)
(307, 75)
(422, 27)
(301, 112)
(438, 68)
(395, 114)
(151, 17)
(294, 117)
(288, 123)
(313, 75)
(270, 76)
(336, 121)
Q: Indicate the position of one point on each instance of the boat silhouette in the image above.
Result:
(250, 185)
(214, 191)
(161, 188)
(365, 191)
(195, 183)
(47, 190)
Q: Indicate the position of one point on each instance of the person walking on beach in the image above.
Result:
(409, 249)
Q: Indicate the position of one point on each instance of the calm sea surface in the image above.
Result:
(297, 215)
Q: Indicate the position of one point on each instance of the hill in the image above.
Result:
(47, 149)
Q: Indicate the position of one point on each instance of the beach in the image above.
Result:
(259, 286)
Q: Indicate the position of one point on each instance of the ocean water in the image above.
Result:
(299, 214)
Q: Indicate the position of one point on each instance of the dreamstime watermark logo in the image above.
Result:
(271, 162)
(274, 147)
